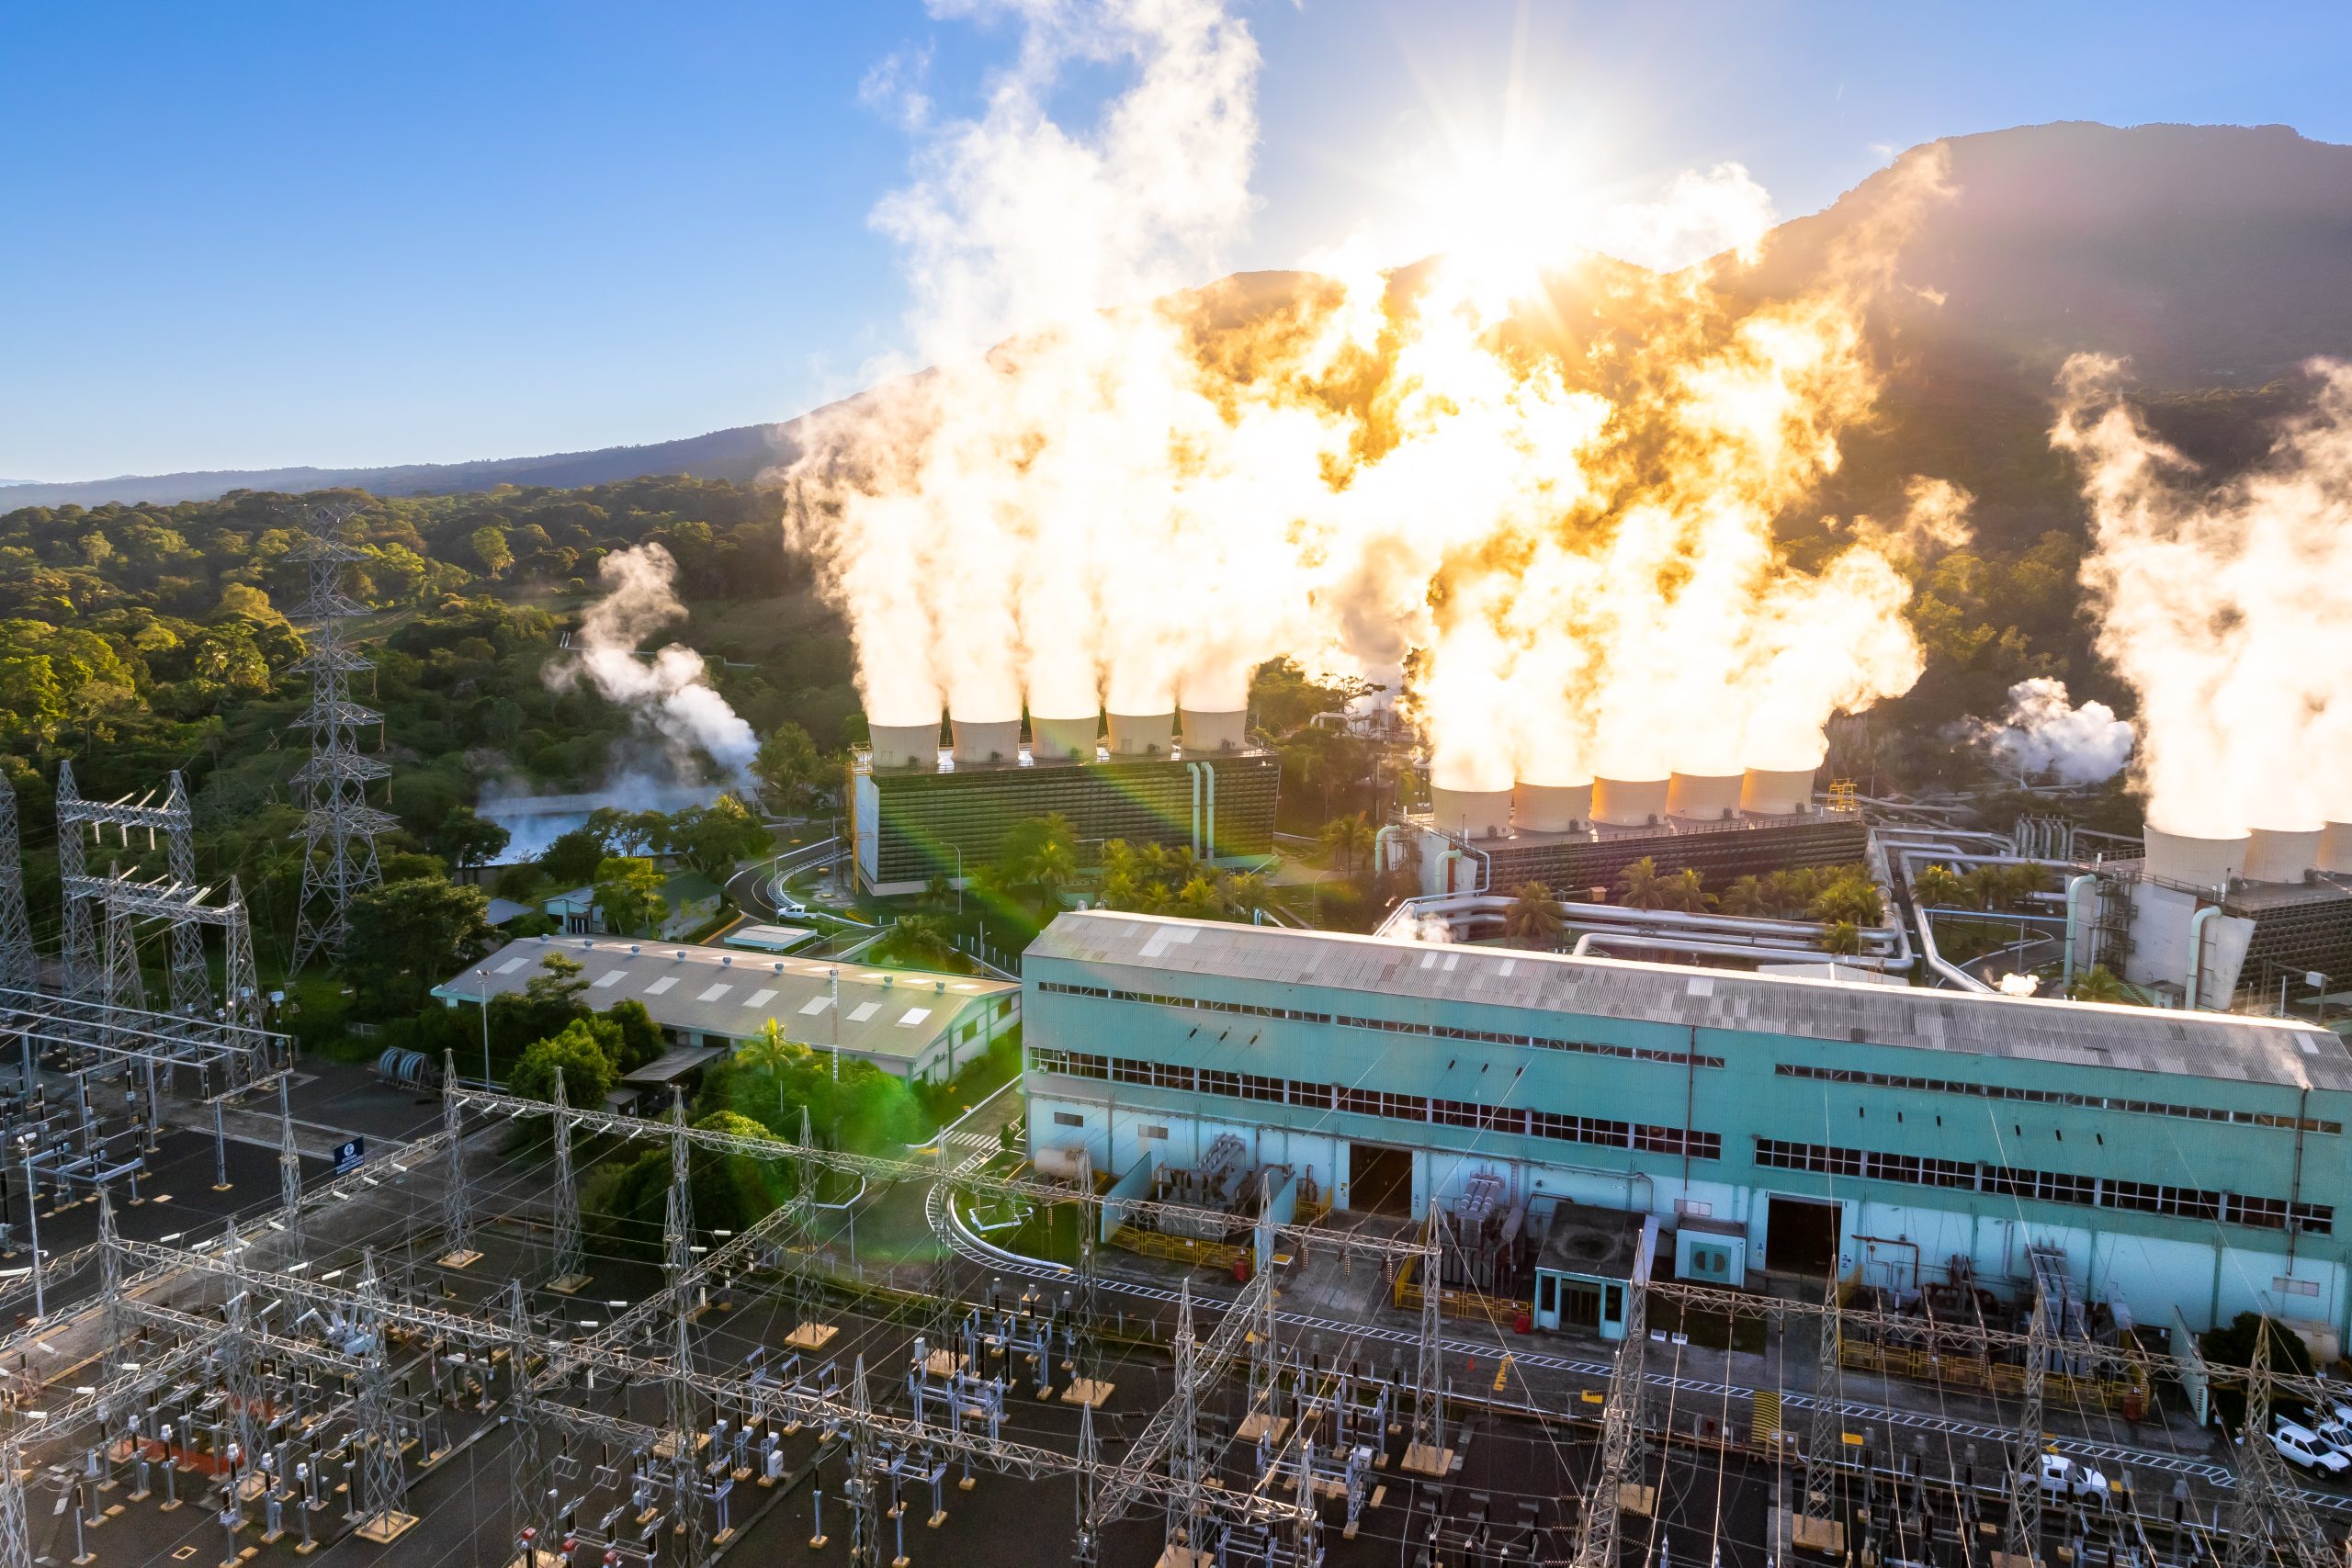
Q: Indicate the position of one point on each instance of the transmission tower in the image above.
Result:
(19, 969)
(570, 1272)
(339, 826)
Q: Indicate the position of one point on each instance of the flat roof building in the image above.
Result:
(910, 1023)
(1889, 1135)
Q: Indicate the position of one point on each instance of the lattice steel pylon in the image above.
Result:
(1621, 1437)
(383, 1485)
(339, 826)
(1825, 1435)
(678, 1233)
(569, 1271)
(2024, 1540)
(456, 1205)
(1187, 1508)
(19, 965)
(16, 1534)
(290, 1170)
(85, 898)
(1429, 1360)
(527, 1508)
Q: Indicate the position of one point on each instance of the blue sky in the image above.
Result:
(260, 234)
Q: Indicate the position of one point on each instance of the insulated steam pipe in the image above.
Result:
(2195, 954)
(2074, 886)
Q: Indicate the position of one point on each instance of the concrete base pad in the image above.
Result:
(1423, 1459)
(1254, 1427)
(1795, 1532)
(570, 1285)
(1088, 1391)
(387, 1527)
(812, 1336)
(458, 1259)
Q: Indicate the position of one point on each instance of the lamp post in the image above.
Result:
(833, 1016)
(482, 995)
(32, 1224)
(959, 881)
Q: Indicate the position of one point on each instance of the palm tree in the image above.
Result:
(1247, 893)
(1680, 891)
(1639, 886)
(1345, 838)
(1051, 869)
(1534, 918)
(939, 892)
(1743, 899)
(1936, 887)
(1200, 898)
(2100, 984)
(1988, 888)
(2021, 883)
(1843, 936)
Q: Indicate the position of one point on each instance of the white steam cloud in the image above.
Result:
(2044, 733)
(1134, 498)
(669, 695)
(2228, 607)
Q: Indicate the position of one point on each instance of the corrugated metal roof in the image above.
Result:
(896, 1014)
(2209, 1045)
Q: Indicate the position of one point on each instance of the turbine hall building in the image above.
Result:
(1753, 1124)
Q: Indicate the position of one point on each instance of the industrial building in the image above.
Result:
(1573, 840)
(909, 1023)
(918, 810)
(2236, 922)
(1764, 1125)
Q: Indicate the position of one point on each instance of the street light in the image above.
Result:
(483, 998)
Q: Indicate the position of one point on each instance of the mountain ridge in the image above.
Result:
(2210, 256)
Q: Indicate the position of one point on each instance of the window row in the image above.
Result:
(1392, 1026)
(2047, 1186)
(2053, 1097)
(1646, 1137)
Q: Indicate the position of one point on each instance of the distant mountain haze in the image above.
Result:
(2215, 257)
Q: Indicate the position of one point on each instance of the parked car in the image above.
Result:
(2336, 1432)
(2064, 1477)
(2298, 1444)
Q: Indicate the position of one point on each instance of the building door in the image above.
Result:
(1582, 1308)
(1800, 1236)
(1547, 1300)
(1380, 1180)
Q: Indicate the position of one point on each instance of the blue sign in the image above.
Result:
(347, 1155)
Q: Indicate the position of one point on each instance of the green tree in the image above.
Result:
(1639, 886)
(1347, 839)
(1041, 853)
(466, 838)
(491, 548)
(629, 889)
(1936, 887)
(2100, 984)
(638, 1039)
(1743, 899)
(571, 859)
(1850, 897)
(1534, 918)
(714, 839)
(589, 1071)
(1843, 937)
(796, 773)
(917, 942)
(407, 937)
(1680, 890)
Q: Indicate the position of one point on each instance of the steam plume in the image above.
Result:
(1567, 545)
(2227, 607)
(671, 696)
(2044, 732)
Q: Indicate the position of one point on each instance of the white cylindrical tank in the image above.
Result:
(1142, 734)
(2198, 862)
(1064, 739)
(1550, 809)
(1470, 813)
(1704, 798)
(1629, 803)
(2278, 854)
(1215, 731)
(1776, 792)
(992, 742)
(2336, 847)
(906, 745)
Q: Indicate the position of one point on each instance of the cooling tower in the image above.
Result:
(1215, 731)
(2274, 854)
(1064, 739)
(1703, 797)
(990, 742)
(1629, 803)
(2336, 847)
(906, 745)
(1142, 734)
(2198, 862)
(1470, 813)
(1776, 792)
(1550, 809)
